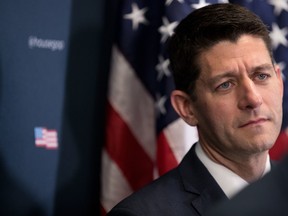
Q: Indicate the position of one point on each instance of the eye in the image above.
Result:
(224, 86)
(262, 76)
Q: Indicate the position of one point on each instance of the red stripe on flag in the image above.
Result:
(280, 148)
(165, 156)
(127, 153)
(102, 210)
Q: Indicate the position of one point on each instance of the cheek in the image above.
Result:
(274, 99)
(276, 107)
(216, 114)
(221, 109)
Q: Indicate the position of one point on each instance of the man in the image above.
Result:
(268, 196)
(228, 86)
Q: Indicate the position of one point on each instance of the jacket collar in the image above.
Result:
(197, 180)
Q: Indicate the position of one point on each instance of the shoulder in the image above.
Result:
(173, 193)
(153, 198)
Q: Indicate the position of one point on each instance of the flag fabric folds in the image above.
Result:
(144, 136)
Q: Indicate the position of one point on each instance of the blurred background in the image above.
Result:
(85, 116)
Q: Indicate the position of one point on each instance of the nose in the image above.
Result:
(249, 95)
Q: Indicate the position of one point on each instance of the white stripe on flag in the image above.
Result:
(131, 100)
(114, 184)
(180, 137)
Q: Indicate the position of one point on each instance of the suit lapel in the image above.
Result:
(207, 198)
(198, 181)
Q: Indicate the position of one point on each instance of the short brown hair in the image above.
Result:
(202, 29)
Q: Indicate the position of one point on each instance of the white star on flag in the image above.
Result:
(168, 2)
(279, 5)
(202, 3)
(282, 66)
(137, 16)
(167, 29)
(160, 104)
(162, 68)
(278, 36)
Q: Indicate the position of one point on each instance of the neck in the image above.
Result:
(248, 166)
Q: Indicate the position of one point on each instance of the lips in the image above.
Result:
(254, 122)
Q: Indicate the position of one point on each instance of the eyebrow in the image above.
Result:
(262, 67)
(216, 78)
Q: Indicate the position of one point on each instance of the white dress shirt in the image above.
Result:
(229, 181)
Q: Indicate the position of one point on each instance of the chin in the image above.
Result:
(264, 146)
(259, 146)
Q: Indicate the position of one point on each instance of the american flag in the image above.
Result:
(144, 136)
(46, 138)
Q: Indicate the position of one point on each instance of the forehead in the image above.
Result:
(245, 53)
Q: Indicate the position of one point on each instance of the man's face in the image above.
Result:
(239, 105)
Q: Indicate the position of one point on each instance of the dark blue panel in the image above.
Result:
(33, 42)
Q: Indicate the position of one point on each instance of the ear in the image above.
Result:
(182, 104)
(279, 76)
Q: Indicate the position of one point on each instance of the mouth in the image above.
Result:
(254, 122)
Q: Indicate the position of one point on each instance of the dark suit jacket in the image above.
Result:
(266, 197)
(188, 189)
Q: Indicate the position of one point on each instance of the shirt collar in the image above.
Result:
(229, 181)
